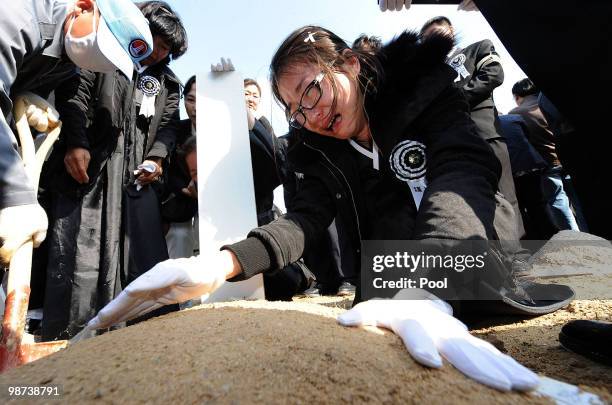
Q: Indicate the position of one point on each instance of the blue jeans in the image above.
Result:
(557, 203)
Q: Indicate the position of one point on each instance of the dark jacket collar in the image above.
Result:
(415, 74)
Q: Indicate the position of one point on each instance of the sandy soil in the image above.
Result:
(274, 352)
(247, 352)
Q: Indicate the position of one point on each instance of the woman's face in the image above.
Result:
(190, 104)
(251, 93)
(344, 121)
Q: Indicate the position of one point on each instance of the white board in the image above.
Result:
(226, 196)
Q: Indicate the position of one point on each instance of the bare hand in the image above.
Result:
(225, 65)
(250, 119)
(191, 190)
(76, 161)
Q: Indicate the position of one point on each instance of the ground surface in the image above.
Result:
(257, 351)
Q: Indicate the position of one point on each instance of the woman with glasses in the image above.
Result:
(383, 143)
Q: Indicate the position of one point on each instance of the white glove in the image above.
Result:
(39, 114)
(225, 65)
(169, 282)
(467, 5)
(429, 330)
(394, 5)
(18, 225)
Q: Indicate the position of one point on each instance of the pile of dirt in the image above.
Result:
(245, 352)
(279, 352)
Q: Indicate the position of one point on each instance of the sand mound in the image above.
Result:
(570, 252)
(271, 352)
(247, 352)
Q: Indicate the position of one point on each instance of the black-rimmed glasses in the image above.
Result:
(310, 97)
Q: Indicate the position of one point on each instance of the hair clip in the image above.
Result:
(310, 37)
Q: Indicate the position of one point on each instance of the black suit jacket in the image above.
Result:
(479, 72)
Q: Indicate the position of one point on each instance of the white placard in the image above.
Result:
(226, 196)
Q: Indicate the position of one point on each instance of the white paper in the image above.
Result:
(226, 196)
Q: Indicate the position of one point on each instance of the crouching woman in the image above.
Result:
(386, 143)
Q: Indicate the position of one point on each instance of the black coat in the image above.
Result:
(268, 163)
(101, 98)
(103, 234)
(176, 206)
(417, 100)
(485, 73)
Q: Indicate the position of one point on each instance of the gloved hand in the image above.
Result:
(169, 282)
(18, 225)
(394, 5)
(429, 330)
(224, 66)
(40, 115)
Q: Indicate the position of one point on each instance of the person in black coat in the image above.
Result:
(386, 143)
(105, 230)
(269, 172)
(179, 202)
(392, 166)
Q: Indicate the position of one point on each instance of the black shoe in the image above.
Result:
(345, 289)
(589, 338)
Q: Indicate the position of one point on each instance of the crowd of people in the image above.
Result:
(396, 141)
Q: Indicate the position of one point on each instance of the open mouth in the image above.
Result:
(335, 119)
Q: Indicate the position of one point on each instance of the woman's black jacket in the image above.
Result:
(416, 100)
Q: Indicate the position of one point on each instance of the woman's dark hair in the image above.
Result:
(369, 44)
(165, 23)
(439, 20)
(190, 82)
(524, 88)
(248, 82)
(316, 45)
(189, 146)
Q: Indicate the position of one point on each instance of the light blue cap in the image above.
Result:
(124, 36)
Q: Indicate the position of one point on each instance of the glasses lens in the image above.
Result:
(312, 95)
(297, 120)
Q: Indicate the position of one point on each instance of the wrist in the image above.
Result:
(231, 266)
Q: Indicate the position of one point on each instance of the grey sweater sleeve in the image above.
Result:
(15, 188)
